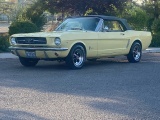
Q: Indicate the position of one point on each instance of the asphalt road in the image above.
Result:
(109, 89)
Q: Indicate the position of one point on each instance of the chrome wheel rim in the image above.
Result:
(78, 57)
(137, 52)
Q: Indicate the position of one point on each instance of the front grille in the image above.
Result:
(31, 40)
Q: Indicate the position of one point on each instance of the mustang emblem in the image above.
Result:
(29, 40)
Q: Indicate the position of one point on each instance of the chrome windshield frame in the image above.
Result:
(97, 29)
(99, 26)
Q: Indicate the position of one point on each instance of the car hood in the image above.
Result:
(44, 34)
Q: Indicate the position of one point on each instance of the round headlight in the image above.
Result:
(13, 41)
(57, 41)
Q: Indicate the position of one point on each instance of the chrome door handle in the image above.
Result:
(122, 34)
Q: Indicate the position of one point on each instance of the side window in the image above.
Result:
(113, 26)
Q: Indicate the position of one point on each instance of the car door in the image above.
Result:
(112, 39)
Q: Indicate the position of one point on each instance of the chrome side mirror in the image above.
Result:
(106, 29)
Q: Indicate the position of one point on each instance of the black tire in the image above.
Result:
(135, 53)
(76, 58)
(28, 62)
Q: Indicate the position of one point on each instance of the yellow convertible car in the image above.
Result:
(79, 39)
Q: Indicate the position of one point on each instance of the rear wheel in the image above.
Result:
(76, 57)
(135, 53)
(28, 62)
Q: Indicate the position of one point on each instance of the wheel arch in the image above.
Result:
(131, 44)
(80, 43)
(139, 41)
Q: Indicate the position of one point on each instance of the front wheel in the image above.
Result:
(28, 62)
(76, 57)
(135, 53)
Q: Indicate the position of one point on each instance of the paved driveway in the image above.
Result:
(4, 27)
(109, 89)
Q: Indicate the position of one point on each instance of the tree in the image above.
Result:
(109, 7)
(35, 13)
(81, 7)
(32, 12)
(156, 26)
(7, 8)
(135, 15)
(152, 7)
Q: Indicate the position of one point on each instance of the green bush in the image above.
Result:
(155, 41)
(37, 15)
(156, 26)
(22, 27)
(4, 43)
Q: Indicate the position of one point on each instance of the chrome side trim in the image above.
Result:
(40, 49)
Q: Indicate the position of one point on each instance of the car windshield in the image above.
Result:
(84, 23)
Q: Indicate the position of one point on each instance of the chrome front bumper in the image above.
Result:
(38, 48)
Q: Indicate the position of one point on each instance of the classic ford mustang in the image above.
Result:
(79, 39)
